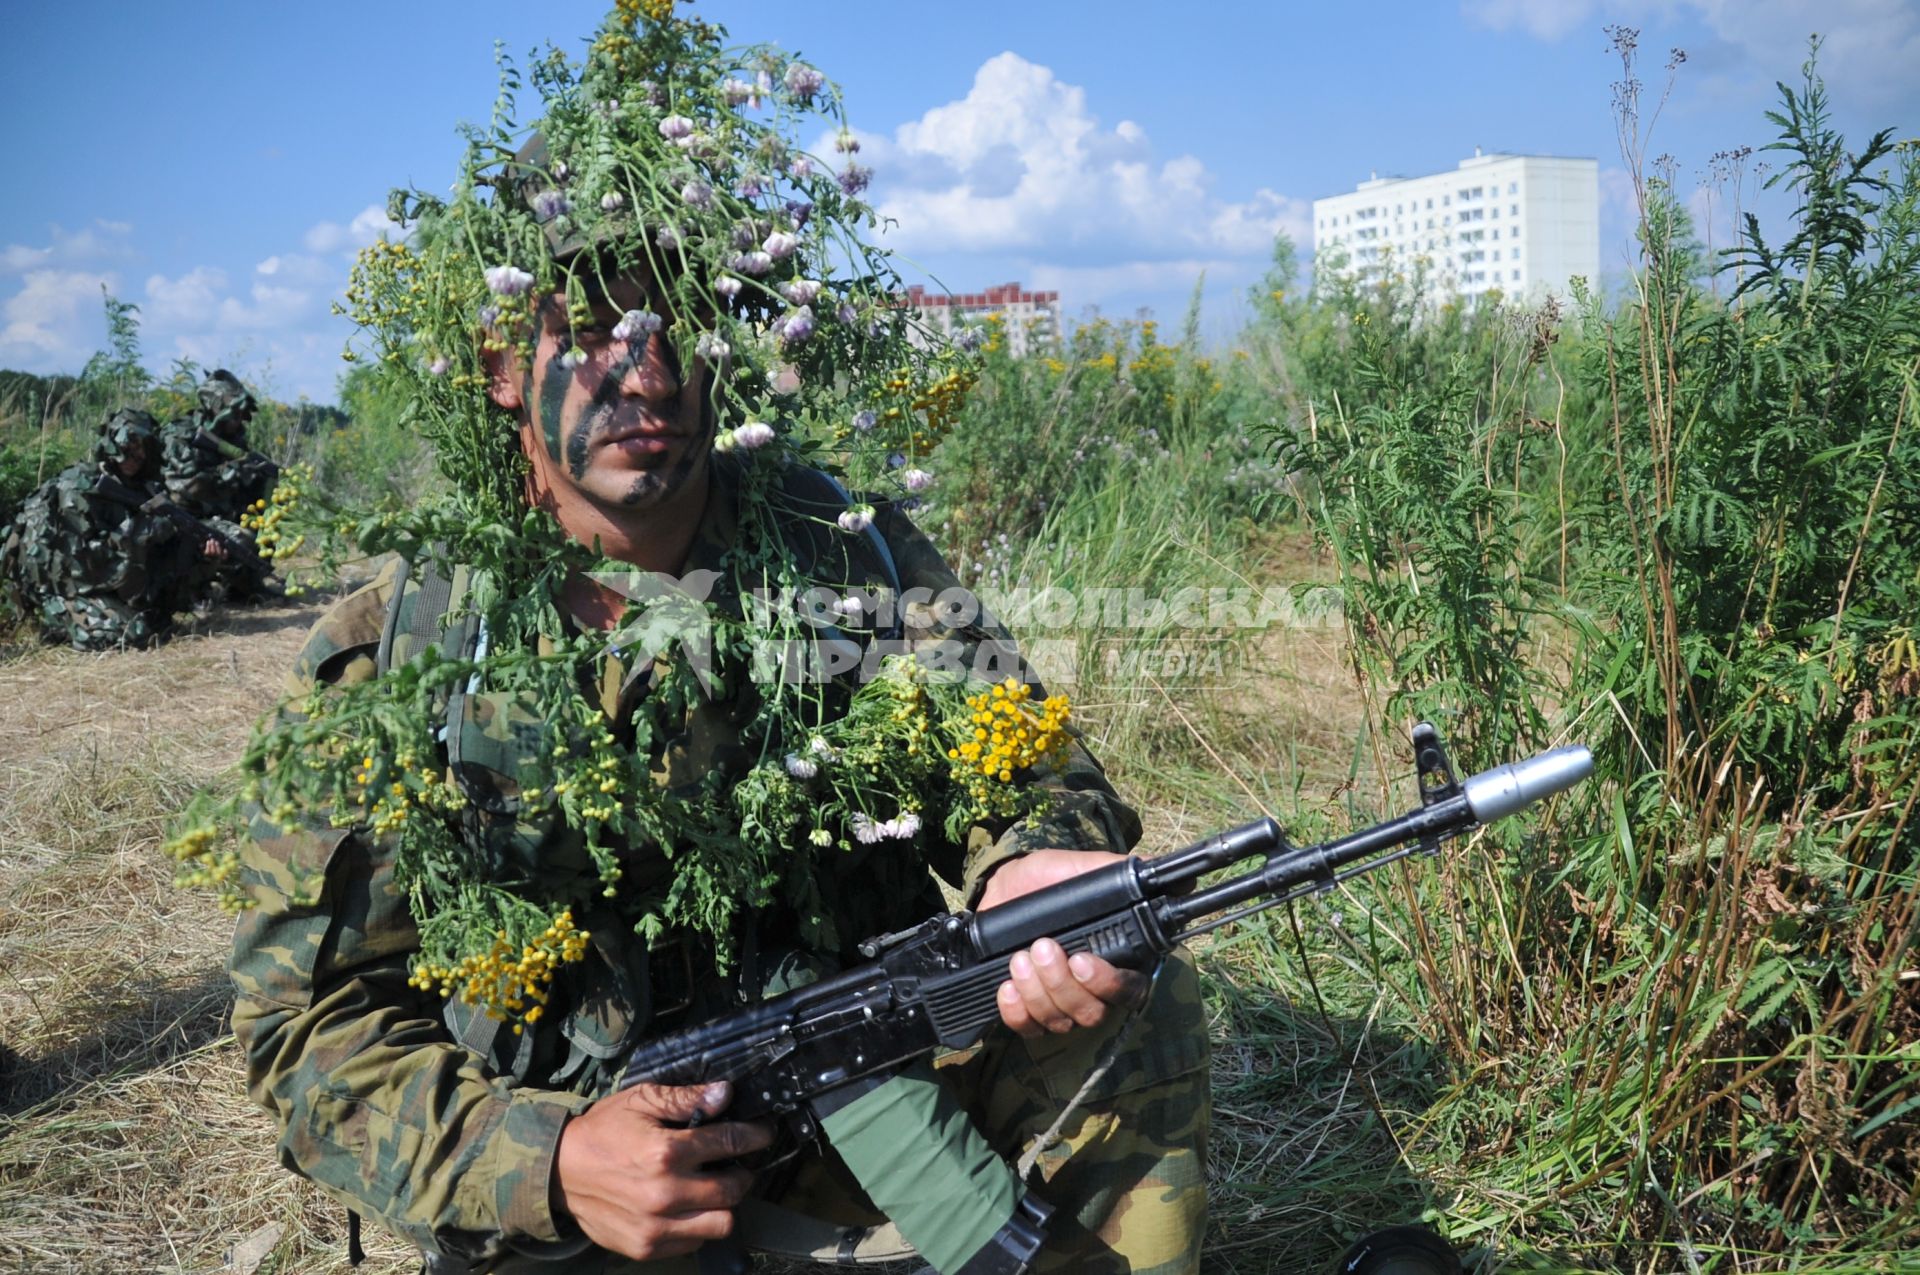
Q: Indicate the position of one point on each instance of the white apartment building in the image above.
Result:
(1524, 225)
(1032, 318)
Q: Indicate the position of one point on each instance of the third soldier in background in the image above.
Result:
(210, 472)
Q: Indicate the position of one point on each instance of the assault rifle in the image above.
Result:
(934, 986)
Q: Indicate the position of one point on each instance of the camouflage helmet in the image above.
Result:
(223, 396)
(119, 432)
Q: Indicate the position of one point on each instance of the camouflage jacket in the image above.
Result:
(209, 476)
(70, 539)
(420, 1113)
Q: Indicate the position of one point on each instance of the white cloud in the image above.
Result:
(1869, 51)
(184, 300)
(102, 241)
(1547, 19)
(1021, 164)
(54, 322)
(290, 268)
(368, 225)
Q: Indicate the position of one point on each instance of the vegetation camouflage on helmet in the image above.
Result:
(668, 152)
(120, 431)
(223, 397)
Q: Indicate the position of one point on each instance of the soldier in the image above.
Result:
(211, 473)
(91, 554)
(510, 1151)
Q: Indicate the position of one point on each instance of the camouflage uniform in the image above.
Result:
(210, 472)
(422, 1114)
(97, 568)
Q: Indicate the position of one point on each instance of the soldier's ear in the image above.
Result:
(504, 378)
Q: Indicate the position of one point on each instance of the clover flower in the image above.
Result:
(896, 459)
(728, 286)
(697, 194)
(967, 339)
(667, 237)
(636, 323)
(711, 347)
(846, 313)
(821, 748)
(736, 91)
(752, 186)
(488, 315)
(846, 143)
(853, 179)
(440, 366)
(573, 358)
(675, 127)
(801, 767)
(753, 263)
(856, 519)
(508, 281)
(549, 204)
(800, 291)
(865, 421)
(869, 832)
(560, 170)
(753, 435)
(796, 327)
(849, 607)
(917, 479)
(612, 201)
(801, 167)
(803, 81)
(799, 210)
(780, 245)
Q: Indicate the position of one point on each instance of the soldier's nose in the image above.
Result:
(650, 376)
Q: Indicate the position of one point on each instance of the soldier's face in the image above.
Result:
(133, 461)
(621, 425)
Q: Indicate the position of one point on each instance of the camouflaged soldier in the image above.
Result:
(89, 555)
(509, 1152)
(210, 472)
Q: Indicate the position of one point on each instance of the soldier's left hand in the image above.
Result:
(1049, 991)
(213, 549)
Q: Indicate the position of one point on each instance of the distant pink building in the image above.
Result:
(1032, 318)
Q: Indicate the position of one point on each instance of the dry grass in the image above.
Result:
(126, 1140)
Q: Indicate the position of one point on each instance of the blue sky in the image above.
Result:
(217, 164)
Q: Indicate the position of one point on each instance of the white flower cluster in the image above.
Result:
(870, 832)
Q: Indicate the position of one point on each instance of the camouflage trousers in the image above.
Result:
(99, 623)
(1127, 1176)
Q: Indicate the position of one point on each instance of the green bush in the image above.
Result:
(1681, 1017)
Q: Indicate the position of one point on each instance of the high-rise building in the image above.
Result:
(1032, 319)
(1526, 225)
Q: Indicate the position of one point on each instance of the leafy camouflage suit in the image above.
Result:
(210, 472)
(425, 1116)
(98, 569)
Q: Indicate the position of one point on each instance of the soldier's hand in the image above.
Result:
(1050, 992)
(643, 1188)
(213, 549)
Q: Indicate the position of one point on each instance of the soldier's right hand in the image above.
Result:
(641, 1187)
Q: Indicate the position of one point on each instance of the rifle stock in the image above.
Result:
(935, 986)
